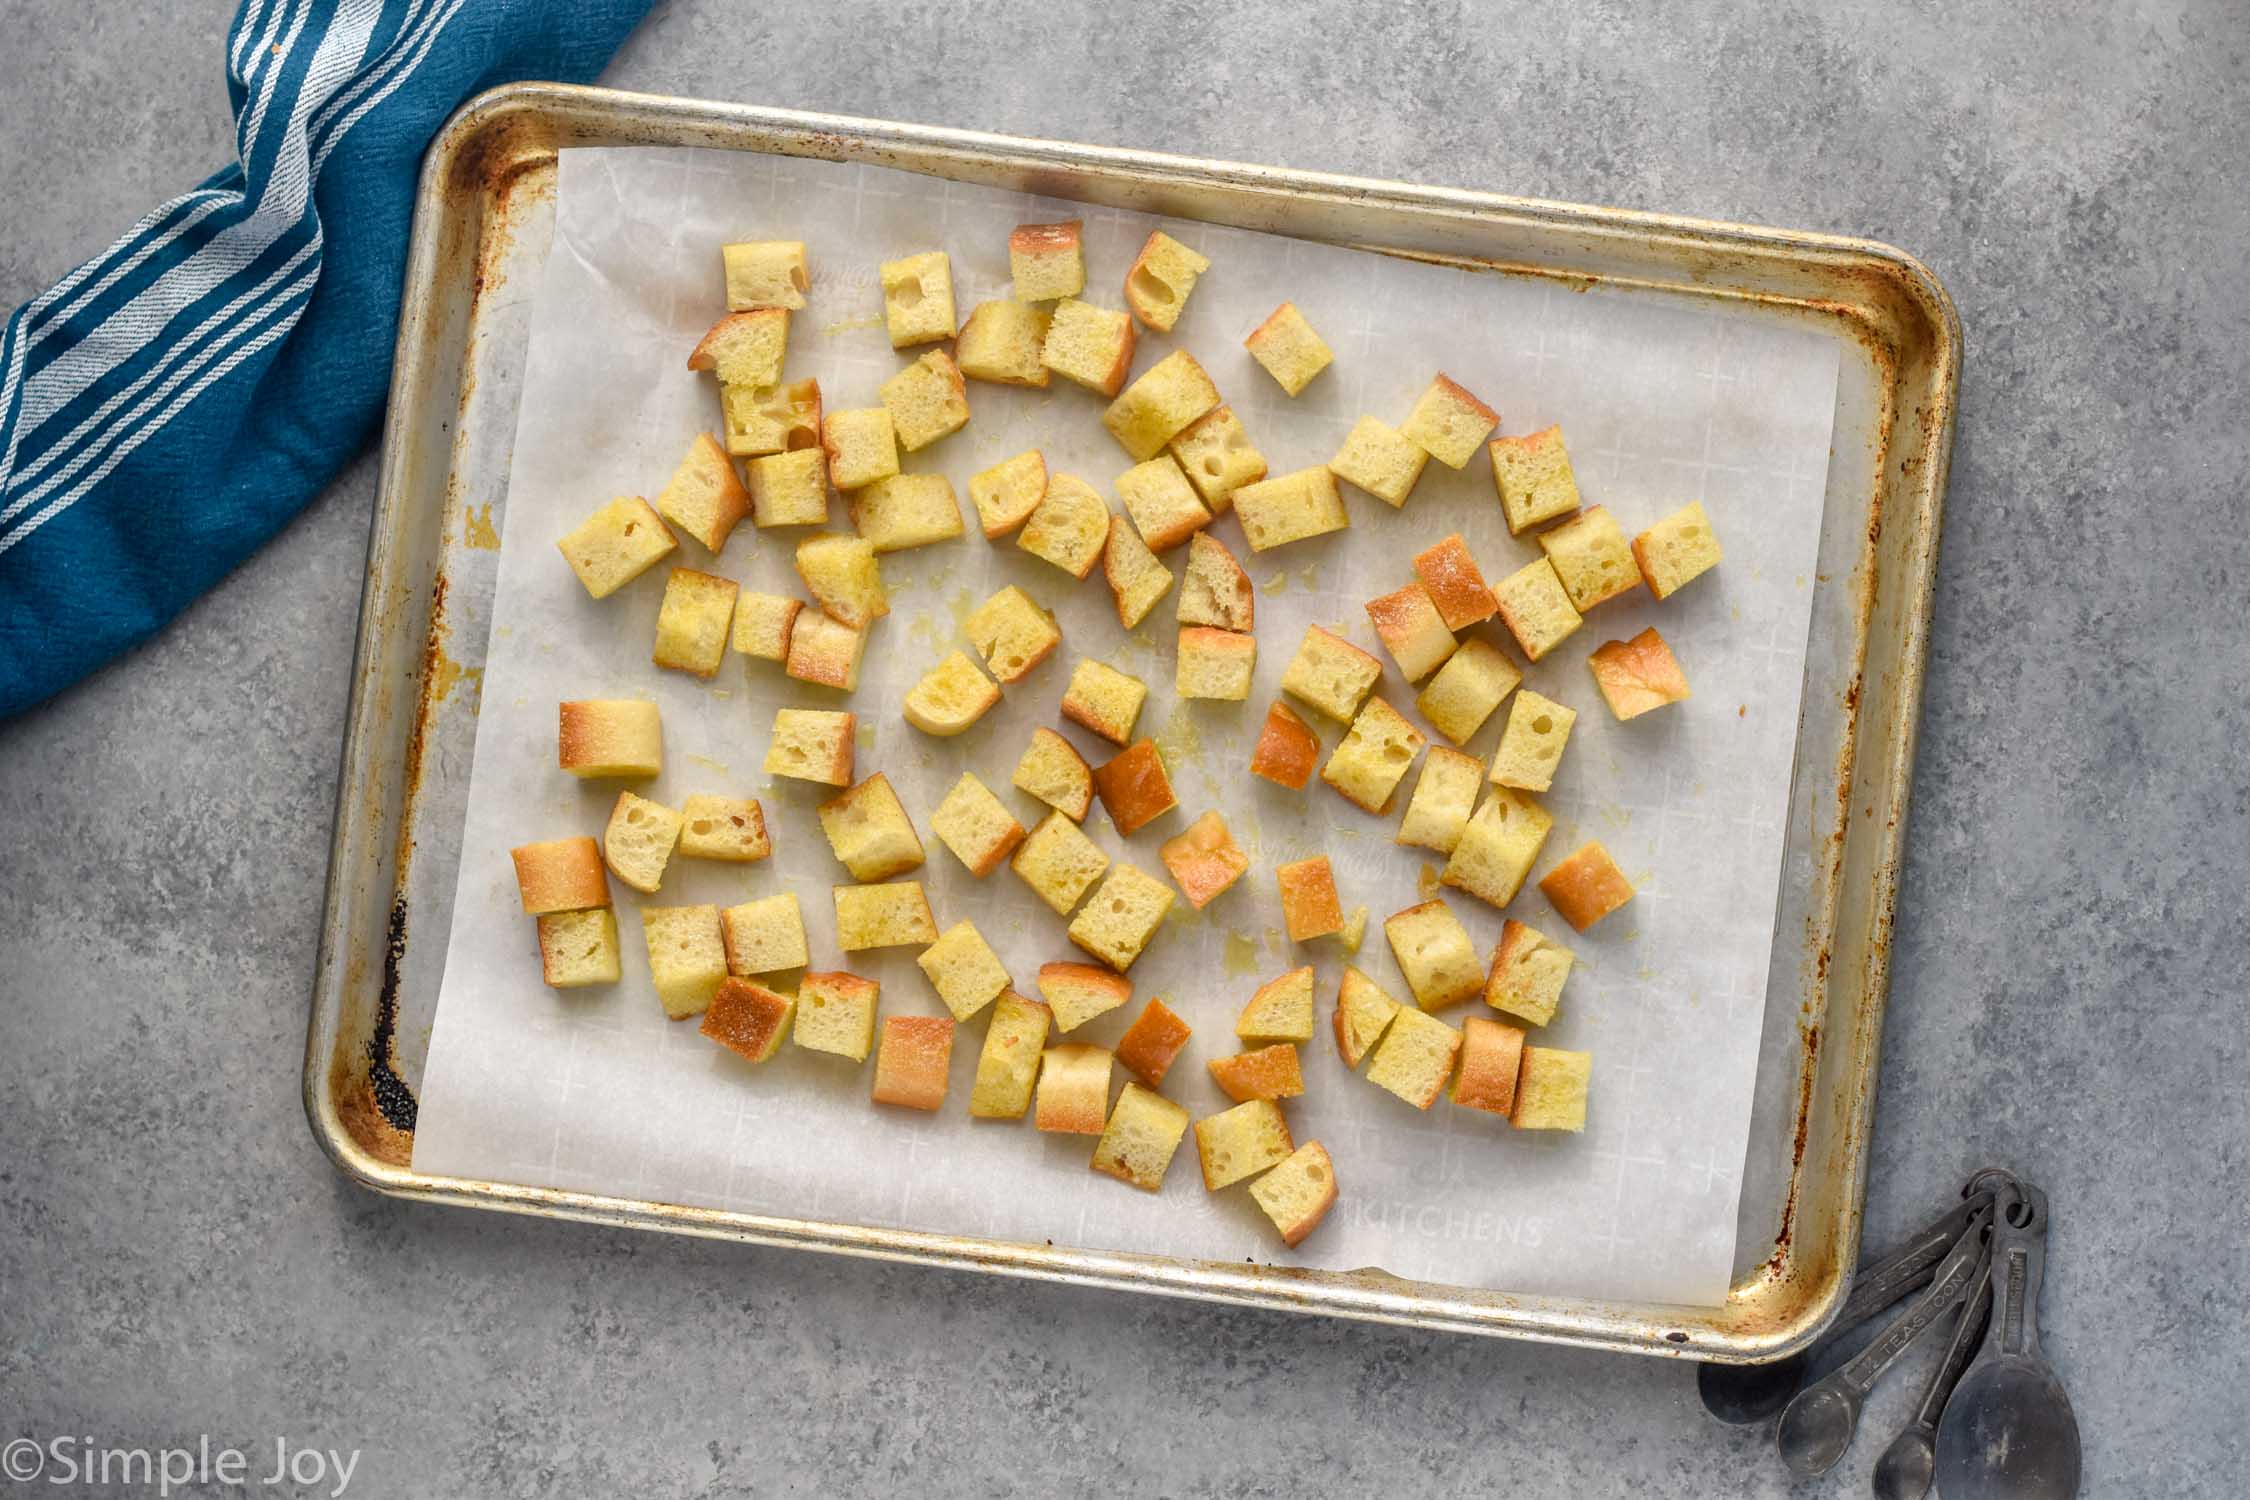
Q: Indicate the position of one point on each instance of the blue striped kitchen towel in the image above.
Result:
(170, 404)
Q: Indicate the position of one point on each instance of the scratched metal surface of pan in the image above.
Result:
(483, 222)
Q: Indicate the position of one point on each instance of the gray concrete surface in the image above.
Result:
(178, 1260)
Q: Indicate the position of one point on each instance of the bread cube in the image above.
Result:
(950, 697)
(1281, 1010)
(1006, 494)
(1551, 1090)
(1153, 1042)
(1268, 1073)
(1241, 1142)
(730, 829)
(637, 844)
(1537, 611)
(1528, 970)
(763, 419)
(1068, 527)
(1160, 500)
(1587, 886)
(687, 957)
(1467, 689)
(1372, 758)
(1214, 664)
(762, 624)
(745, 348)
(914, 1061)
(1364, 1011)
(616, 545)
(1531, 746)
(1053, 771)
(1410, 628)
(1434, 954)
(1491, 1056)
(927, 400)
(691, 624)
(1455, 583)
(1158, 406)
(1297, 1195)
(1447, 423)
(1160, 279)
(1136, 578)
(1637, 675)
(1290, 508)
(1141, 1138)
(705, 497)
(861, 444)
(869, 831)
(1497, 849)
(1047, 260)
(1204, 860)
(578, 948)
(894, 915)
(764, 936)
(789, 489)
(1287, 347)
(1355, 929)
(1218, 457)
(1331, 674)
(1533, 475)
(766, 273)
(1287, 748)
(1676, 550)
(1308, 899)
(610, 737)
(1122, 915)
(1077, 993)
(917, 298)
(1008, 1064)
(1415, 1057)
(836, 1015)
(1092, 346)
(1443, 799)
(1591, 558)
(1104, 699)
(976, 826)
(906, 510)
(964, 970)
(844, 578)
(1134, 790)
(1073, 1089)
(812, 744)
(1378, 458)
(826, 651)
(1059, 862)
(1001, 342)
(559, 875)
(748, 1019)
(1217, 592)
(1012, 634)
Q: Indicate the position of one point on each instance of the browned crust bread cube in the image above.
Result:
(748, 1019)
(1204, 860)
(913, 1061)
(1308, 899)
(1287, 749)
(1637, 675)
(1153, 1042)
(560, 875)
(1271, 1072)
(1073, 1094)
(1455, 583)
(1134, 790)
(1491, 1055)
(1587, 886)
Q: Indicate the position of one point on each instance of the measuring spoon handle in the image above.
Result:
(1910, 1266)
(1952, 1283)
(2019, 1264)
(1968, 1333)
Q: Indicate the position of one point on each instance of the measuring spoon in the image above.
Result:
(1742, 1394)
(2009, 1432)
(1817, 1426)
(1904, 1470)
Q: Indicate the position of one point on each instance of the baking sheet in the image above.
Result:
(1662, 402)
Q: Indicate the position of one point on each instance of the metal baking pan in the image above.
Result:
(482, 227)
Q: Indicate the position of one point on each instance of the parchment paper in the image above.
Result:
(1661, 402)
